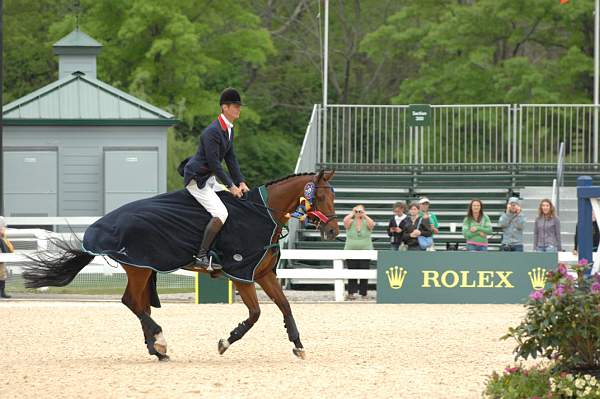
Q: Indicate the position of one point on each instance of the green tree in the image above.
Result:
(28, 60)
(178, 149)
(489, 51)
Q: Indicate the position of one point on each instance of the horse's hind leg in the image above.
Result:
(272, 288)
(137, 298)
(248, 294)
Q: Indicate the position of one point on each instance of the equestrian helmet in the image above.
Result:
(230, 96)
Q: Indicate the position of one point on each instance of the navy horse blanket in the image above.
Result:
(164, 233)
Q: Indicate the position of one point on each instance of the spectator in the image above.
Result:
(546, 232)
(595, 235)
(358, 236)
(433, 221)
(476, 227)
(5, 246)
(394, 230)
(413, 227)
(512, 223)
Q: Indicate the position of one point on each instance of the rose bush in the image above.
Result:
(538, 383)
(563, 321)
(562, 324)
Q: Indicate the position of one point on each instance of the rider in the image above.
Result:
(216, 144)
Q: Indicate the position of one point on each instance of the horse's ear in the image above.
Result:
(329, 174)
(319, 175)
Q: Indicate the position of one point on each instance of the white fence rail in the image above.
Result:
(337, 273)
(51, 221)
(100, 266)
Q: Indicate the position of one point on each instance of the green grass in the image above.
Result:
(100, 284)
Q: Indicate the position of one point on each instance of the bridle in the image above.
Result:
(310, 194)
(310, 205)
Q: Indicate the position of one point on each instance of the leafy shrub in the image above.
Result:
(563, 322)
(538, 383)
(518, 383)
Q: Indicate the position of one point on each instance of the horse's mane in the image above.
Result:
(288, 177)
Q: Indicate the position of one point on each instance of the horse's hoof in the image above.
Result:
(160, 344)
(223, 345)
(162, 349)
(163, 358)
(300, 352)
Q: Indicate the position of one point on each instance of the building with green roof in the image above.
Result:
(78, 146)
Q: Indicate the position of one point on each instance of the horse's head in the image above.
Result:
(324, 209)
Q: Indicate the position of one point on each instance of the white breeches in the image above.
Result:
(208, 198)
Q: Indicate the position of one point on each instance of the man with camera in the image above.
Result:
(512, 223)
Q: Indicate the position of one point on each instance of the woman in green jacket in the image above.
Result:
(358, 236)
(476, 227)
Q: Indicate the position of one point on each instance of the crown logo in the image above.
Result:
(538, 278)
(396, 275)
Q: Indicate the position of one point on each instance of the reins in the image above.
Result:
(307, 208)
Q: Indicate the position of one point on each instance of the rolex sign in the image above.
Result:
(460, 277)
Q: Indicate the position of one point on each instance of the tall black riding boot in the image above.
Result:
(2, 289)
(210, 232)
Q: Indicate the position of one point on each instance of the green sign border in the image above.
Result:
(460, 277)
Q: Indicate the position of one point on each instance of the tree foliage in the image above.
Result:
(179, 56)
(489, 51)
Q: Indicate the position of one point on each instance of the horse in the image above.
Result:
(140, 294)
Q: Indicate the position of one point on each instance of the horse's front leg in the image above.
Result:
(248, 294)
(271, 286)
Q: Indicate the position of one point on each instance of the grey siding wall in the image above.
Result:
(81, 159)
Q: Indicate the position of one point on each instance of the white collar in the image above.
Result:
(229, 124)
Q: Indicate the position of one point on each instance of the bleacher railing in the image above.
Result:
(463, 135)
(559, 180)
(306, 163)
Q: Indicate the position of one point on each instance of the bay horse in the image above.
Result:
(140, 294)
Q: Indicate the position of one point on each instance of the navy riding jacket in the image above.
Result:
(206, 162)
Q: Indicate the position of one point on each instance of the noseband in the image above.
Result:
(313, 212)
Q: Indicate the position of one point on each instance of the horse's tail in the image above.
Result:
(55, 268)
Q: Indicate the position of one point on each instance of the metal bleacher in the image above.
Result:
(382, 154)
(449, 193)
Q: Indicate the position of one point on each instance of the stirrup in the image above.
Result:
(209, 266)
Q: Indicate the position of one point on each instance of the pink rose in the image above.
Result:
(562, 269)
(582, 262)
(559, 290)
(595, 288)
(537, 295)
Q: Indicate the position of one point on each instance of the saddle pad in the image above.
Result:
(164, 233)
